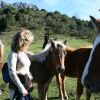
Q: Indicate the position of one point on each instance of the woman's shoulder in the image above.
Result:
(12, 54)
(29, 53)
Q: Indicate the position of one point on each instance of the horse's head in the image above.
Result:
(57, 54)
(96, 23)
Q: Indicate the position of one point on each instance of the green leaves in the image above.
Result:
(55, 22)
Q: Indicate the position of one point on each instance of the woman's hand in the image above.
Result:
(25, 93)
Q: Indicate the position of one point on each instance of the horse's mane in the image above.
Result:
(48, 45)
(42, 56)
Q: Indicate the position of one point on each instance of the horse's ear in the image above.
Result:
(96, 22)
(52, 43)
(65, 42)
(93, 19)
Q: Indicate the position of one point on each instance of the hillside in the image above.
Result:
(18, 5)
(22, 15)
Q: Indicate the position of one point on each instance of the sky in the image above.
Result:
(80, 8)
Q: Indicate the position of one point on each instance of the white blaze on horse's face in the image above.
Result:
(58, 53)
(86, 70)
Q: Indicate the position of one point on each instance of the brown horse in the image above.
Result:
(46, 67)
(91, 74)
(75, 62)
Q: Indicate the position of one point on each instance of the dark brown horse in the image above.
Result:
(91, 74)
(46, 67)
(75, 62)
(46, 39)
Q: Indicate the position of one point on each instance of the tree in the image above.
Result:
(3, 23)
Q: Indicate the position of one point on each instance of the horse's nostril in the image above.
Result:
(60, 70)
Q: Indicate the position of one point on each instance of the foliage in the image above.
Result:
(53, 22)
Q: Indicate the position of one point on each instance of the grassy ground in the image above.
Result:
(53, 89)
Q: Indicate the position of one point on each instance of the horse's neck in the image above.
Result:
(49, 61)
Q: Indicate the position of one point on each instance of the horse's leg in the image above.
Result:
(46, 88)
(63, 86)
(58, 79)
(79, 89)
(41, 92)
(88, 95)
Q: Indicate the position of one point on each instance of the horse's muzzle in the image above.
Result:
(60, 70)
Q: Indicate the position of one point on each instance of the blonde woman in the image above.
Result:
(19, 60)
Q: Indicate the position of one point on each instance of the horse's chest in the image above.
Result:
(41, 73)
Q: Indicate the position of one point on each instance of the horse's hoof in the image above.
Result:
(61, 99)
(66, 97)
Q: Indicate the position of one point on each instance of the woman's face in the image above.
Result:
(21, 41)
(24, 48)
(26, 39)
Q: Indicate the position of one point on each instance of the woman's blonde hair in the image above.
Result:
(20, 39)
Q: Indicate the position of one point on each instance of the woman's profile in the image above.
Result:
(19, 60)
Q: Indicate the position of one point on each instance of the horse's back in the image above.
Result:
(75, 61)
